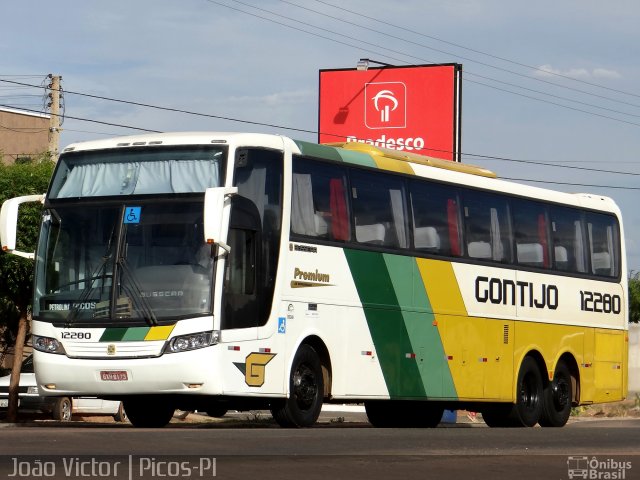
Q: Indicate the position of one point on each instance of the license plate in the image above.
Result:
(4, 403)
(114, 376)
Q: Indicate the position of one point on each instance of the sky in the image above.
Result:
(551, 89)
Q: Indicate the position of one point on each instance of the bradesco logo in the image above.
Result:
(385, 105)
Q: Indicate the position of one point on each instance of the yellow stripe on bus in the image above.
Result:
(159, 333)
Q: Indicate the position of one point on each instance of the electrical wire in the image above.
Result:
(469, 59)
(466, 73)
(315, 132)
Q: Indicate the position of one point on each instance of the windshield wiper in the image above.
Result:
(86, 292)
(135, 293)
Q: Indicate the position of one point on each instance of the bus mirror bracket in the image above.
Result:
(215, 201)
(9, 223)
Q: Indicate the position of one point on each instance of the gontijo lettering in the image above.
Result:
(507, 292)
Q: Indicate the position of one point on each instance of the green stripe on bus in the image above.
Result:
(113, 334)
(418, 318)
(321, 151)
(386, 323)
(135, 334)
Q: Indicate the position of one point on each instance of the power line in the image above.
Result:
(569, 184)
(464, 58)
(426, 60)
(545, 71)
(315, 132)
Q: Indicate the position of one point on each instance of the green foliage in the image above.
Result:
(16, 273)
(634, 297)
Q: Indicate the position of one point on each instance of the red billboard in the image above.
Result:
(415, 108)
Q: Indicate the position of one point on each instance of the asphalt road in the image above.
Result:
(342, 445)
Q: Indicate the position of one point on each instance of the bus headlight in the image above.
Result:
(47, 344)
(192, 341)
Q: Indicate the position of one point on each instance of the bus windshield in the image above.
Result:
(161, 265)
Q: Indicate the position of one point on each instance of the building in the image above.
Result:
(22, 134)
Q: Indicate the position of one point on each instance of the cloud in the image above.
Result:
(581, 73)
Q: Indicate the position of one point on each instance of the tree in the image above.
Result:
(16, 273)
(634, 297)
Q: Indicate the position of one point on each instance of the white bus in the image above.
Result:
(217, 271)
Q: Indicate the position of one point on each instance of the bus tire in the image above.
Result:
(217, 410)
(381, 413)
(306, 390)
(529, 395)
(62, 409)
(557, 398)
(403, 414)
(148, 412)
(498, 415)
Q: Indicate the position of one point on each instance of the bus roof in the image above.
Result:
(402, 156)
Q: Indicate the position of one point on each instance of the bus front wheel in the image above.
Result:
(148, 412)
(306, 390)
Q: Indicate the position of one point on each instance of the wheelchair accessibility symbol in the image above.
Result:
(282, 325)
(132, 214)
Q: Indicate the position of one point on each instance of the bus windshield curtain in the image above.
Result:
(131, 178)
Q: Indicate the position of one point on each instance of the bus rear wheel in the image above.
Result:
(557, 398)
(148, 412)
(306, 391)
(529, 395)
(399, 413)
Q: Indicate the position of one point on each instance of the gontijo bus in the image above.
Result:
(217, 271)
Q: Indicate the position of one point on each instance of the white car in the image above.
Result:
(60, 408)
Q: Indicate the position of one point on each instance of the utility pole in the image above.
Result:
(54, 120)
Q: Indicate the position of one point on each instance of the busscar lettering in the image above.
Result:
(499, 291)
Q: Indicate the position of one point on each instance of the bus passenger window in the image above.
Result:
(604, 244)
(435, 219)
(379, 209)
(486, 226)
(530, 233)
(318, 201)
(567, 239)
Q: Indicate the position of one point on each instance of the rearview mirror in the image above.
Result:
(216, 209)
(9, 223)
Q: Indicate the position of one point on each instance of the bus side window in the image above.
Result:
(435, 219)
(318, 201)
(567, 239)
(531, 234)
(603, 235)
(486, 226)
(379, 209)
